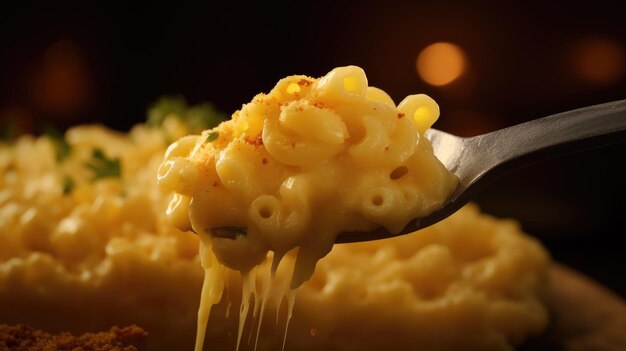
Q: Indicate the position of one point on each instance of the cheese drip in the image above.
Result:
(260, 288)
(261, 285)
(212, 288)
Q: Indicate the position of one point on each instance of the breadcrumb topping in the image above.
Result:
(26, 338)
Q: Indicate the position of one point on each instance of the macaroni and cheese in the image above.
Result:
(85, 243)
(294, 168)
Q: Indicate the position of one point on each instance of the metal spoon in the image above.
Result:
(478, 161)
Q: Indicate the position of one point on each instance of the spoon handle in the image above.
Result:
(552, 136)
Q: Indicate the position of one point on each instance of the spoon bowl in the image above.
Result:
(478, 161)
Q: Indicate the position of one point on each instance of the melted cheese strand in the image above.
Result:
(212, 288)
(266, 286)
(228, 307)
(282, 290)
(245, 304)
(291, 299)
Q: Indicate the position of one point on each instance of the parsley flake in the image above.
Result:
(63, 148)
(165, 106)
(68, 185)
(212, 136)
(197, 117)
(102, 166)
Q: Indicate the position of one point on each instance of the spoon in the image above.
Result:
(478, 161)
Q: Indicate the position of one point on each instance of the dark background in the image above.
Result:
(66, 64)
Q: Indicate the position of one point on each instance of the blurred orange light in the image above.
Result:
(441, 63)
(62, 84)
(599, 60)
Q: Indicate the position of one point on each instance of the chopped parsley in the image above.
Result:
(212, 136)
(203, 116)
(62, 147)
(102, 166)
(68, 185)
(197, 118)
(164, 107)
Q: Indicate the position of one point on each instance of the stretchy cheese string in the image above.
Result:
(212, 288)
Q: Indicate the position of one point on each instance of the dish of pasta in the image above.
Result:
(96, 231)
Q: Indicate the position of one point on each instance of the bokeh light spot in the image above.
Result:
(441, 63)
(599, 60)
(62, 85)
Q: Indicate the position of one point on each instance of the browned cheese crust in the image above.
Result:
(26, 338)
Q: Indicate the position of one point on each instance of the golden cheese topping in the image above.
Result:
(297, 166)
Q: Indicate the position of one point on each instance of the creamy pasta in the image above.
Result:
(295, 167)
(82, 254)
(85, 245)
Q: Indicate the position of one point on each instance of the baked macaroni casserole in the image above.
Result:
(90, 240)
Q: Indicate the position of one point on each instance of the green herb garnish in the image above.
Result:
(203, 116)
(164, 107)
(68, 185)
(212, 136)
(63, 148)
(103, 166)
(197, 118)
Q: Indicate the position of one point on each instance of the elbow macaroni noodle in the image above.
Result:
(297, 166)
